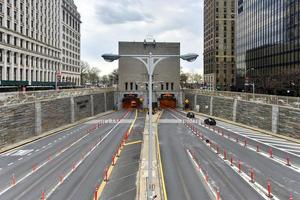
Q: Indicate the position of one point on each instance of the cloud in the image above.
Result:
(118, 12)
(106, 22)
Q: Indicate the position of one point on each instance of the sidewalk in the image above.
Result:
(143, 171)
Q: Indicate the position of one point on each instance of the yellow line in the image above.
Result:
(134, 142)
(111, 167)
(160, 166)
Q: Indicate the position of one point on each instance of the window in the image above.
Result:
(167, 86)
(131, 86)
(172, 86)
(1, 7)
(161, 86)
(126, 86)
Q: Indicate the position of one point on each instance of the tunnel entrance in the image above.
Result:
(131, 101)
(167, 100)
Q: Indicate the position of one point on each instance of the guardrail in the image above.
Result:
(259, 98)
(12, 98)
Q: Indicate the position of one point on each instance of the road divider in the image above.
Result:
(108, 171)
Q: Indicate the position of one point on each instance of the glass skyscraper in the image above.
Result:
(268, 45)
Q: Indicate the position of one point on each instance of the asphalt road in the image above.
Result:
(283, 179)
(67, 165)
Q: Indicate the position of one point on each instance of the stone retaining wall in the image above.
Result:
(22, 121)
(278, 119)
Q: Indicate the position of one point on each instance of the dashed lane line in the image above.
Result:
(10, 164)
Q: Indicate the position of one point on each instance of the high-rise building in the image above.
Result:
(268, 45)
(31, 42)
(219, 33)
(70, 42)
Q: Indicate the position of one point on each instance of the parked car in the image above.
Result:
(190, 115)
(210, 121)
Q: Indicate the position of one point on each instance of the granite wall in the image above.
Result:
(274, 118)
(22, 121)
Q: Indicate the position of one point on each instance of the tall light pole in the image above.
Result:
(150, 61)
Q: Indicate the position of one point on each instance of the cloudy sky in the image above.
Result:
(105, 22)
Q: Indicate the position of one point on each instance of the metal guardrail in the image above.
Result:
(293, 102)
(12, 98)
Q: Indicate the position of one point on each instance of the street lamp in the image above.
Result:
(150, 61)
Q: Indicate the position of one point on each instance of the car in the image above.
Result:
(190, 115)
(210, 121)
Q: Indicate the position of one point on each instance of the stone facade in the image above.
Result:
(55, 113)
(288, 122)
(99, 103)
(82, 107)
(22, 121)
(17, 123)
(223, 108)
(254, 114)
(204, 104)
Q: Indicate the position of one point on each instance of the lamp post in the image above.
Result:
(150, 61)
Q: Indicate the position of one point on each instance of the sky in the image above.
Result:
(106, 22)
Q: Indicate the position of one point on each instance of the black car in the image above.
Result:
(210, 121)
(190, 115)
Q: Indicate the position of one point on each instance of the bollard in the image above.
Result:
(291, 196)
(231, 160)
(49, 158)
(113, 160)
(43, 195)
(96, 194)
(218, 195)
(225, 154)
(245, 143)
(252, 176)
(271, 152)
(73, 166)
(257, 148)
(13, 180)
(237, 139)
(240, 166)
(218, 149)
(206, 177)
(269, 189)
(61, 179)
(288, 161)
(106, 174)
(33, 167)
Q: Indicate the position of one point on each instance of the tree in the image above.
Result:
(89, 75)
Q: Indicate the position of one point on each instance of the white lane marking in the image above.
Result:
(49, 143)
(10, 164)
(294, 151)
(287, 144)
(20, 158)
(0, 169)
(37, 150)
(43, 147)
(64, 136)
(29, 154)
(59, 139)
(267, 138)
(54, 140)
(22, 152)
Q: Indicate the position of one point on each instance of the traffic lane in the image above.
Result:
(82, 183)
(181, 178)
(24, 166)
(122, 182)
(230, 185)
(282, 178)
(45, 143)
(262, 144)
(58, 168)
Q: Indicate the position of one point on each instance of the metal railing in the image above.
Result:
(258, 98)
(12, 98)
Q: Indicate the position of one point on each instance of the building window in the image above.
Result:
(0, 72)
(136, 87)
(167, 86)
(131, 86)
(126, 86)
(161, 86)
(15, 74)
(7, 73)
(172, 86)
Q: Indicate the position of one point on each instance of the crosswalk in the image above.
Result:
(269, 140)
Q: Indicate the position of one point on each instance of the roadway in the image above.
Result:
(283, 178)
(66, 165)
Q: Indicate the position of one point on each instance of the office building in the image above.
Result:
(268, 46)
(31, 43)
(219, 55)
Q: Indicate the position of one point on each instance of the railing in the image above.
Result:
(12, 98)
(259, 98)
